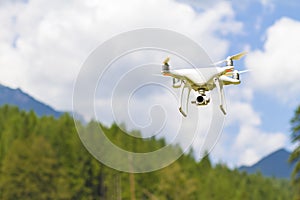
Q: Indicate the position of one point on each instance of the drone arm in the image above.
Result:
(219, 86)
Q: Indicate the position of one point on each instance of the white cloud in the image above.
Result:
(200, 5)
(253, 143)
(53, 38)
(243, 140)
(275, 69)
(274, 72)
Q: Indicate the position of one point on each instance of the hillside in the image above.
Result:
(25, 102)
(44, 158)
(274, 165)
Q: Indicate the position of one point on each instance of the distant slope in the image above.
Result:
(274, 165)
(24, 101)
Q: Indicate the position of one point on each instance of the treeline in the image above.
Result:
(43, 158)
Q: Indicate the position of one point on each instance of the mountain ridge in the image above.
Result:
(273, 165)
(24, 101)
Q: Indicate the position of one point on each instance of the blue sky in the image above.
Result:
(44, 43)
(275, 114)
(257, 17)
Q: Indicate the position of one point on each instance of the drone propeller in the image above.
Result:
(219, 62)
(166, 61)
(244, 71)
(229, 59)
(237, 56)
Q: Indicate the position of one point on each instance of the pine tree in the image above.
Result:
(43, 158)
(295, 155)
(174, 183)
(29, 171)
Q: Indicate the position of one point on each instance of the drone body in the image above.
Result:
(216, 77)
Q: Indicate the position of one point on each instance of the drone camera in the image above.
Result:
(201, 100)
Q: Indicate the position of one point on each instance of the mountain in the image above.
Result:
(274, 165)
(24, 101)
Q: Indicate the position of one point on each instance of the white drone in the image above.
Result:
(192, 79)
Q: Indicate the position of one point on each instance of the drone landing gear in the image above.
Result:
(182, 112)
(187, 101)
(219, 86)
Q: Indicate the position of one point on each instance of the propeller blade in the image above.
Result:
(166, 61)
(237, 56)
(234, 57)
(244, 71)
(219, 62)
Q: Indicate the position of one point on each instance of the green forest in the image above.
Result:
(43, 158)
